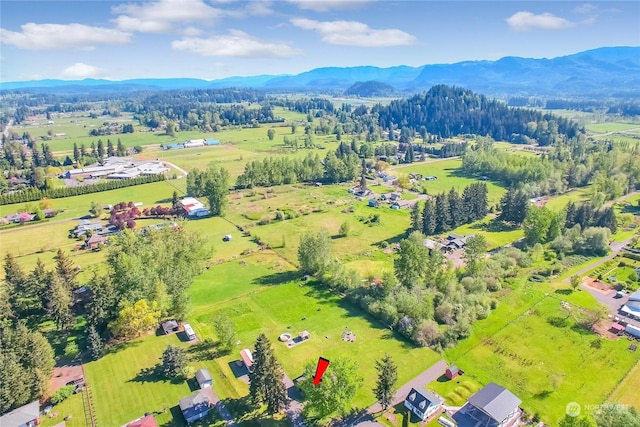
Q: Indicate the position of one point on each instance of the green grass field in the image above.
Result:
(627, 391)
(260, 293)
(546, 366)
(449, 176)
(611, 127)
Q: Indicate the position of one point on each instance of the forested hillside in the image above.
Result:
(448, 111)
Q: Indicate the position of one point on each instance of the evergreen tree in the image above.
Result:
(175, 201)
(76, 152)
(110, 150)
(514, 205)
(100, 150)
(429, 218)
(570, 216)
(65, 269)
(59, 300)
(455, 209)
(266, 384)
(120, 150)
(95, 344)
(416, 217)
(442, 213)
(386, 383)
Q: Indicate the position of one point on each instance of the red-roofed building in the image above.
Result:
(146, 421)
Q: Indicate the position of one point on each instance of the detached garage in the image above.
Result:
(204, 379)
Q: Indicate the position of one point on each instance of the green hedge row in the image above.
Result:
(33, 194)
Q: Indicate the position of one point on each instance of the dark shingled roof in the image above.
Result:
(495, 401)
(422, 397)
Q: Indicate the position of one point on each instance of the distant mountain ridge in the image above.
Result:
(606, 71)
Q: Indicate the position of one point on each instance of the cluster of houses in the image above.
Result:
(452, 243)
(117, 168)
(191, 143)
(493, 406)
(20, 217)
(393, 199)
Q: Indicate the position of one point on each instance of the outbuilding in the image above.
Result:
(452, 372)
(204, 379)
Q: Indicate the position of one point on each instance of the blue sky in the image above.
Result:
(212, 39)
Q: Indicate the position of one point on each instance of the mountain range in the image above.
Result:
(603, 72)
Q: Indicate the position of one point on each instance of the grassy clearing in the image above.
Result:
(627, 391)
(546, 366)
(497, 233)
(560, 202)
(71, 406)
(449, 176)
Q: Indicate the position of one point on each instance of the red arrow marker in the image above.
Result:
(323, 364)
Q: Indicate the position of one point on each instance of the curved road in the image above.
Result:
(178, 168)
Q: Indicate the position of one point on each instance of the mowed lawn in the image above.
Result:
(627, 391)
(546, 366)
(449, 176)
(125, 388)
(278, 302)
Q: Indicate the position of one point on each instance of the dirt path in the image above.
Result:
(178, 168)
(616, 247)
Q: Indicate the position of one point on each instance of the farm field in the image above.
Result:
(627, 391)
(546, 366)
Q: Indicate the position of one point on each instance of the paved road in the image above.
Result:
(294, 411)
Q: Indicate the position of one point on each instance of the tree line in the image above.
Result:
(33, 194)
(212, 183)
(450, 210)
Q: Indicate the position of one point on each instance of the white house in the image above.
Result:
(194, 207)
(422, 403)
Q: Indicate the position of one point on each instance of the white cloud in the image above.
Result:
(525, 21)
(259, 8)
(585, 8)
(325, 5)
(80, 70)
(62, 36)
(353, 33)
(235, 44)
(160, 16)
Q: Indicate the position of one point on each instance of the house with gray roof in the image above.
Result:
(492, 406)
(422, 403)
(196, 406)
(24, 416)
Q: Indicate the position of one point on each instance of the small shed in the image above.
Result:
(169, 326)
(304, 335)
(227, 238)
(452, 372)
(373, 203)
(204, 379)
(247, 359)
(617, 328)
